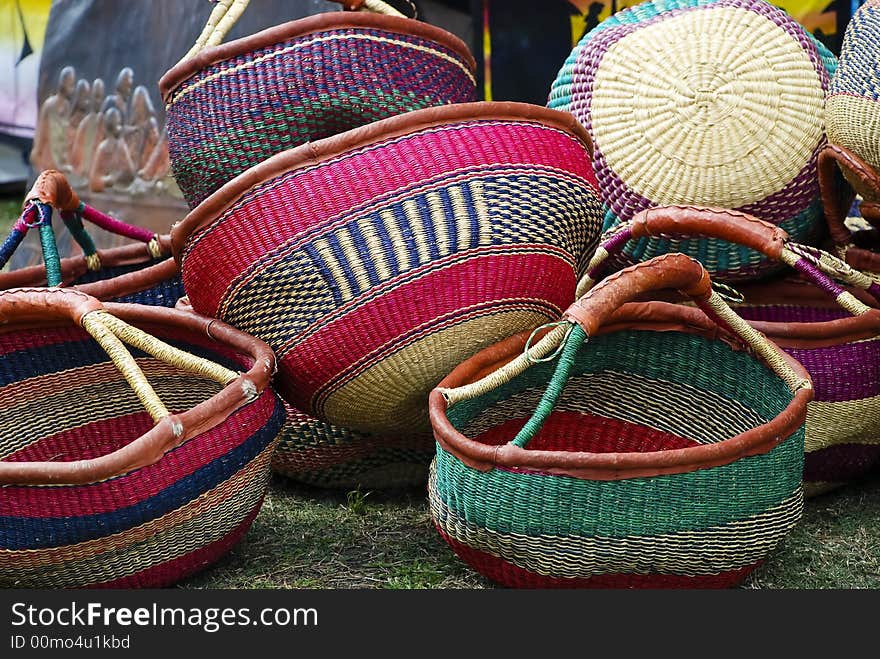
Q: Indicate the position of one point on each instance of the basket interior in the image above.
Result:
(62, 399)
(634, 391)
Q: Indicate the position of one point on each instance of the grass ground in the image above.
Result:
(309, 538)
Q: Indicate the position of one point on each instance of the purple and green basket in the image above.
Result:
(833, 330)
(233, 105)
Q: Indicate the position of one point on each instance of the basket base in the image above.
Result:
(511, 576)
(175, 570)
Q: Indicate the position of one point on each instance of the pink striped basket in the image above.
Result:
(375, 261)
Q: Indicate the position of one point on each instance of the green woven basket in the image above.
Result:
(659, 455)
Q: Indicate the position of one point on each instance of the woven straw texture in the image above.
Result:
(852, 112)
(442, 241)
(237, 112)
(323, 455)
(708, 527)
(149, 527)
(842, 441)
(716, 103)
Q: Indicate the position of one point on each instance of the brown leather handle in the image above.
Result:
(732, 226)
(53, 188)
(674, 270)
(29, 304)
(837, 194)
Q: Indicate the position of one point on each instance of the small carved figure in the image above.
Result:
(142, 133)
(50, 138)
(88, 133)
(112, 164)
(122, 92)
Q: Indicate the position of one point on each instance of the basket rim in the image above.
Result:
(73, 267)
(611, 466)
(314, 153)
(171, 431)
(185, 69)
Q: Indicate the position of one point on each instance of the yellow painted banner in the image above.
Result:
(22, 30)
(815, 15)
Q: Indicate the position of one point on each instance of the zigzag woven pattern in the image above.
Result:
(443, 241)
(149, 527)
(729, 114)
(852, 112)
(317, 453)
(706, 527)
(236, 113)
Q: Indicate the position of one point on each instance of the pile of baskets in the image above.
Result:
(382, 282)
(608, 449)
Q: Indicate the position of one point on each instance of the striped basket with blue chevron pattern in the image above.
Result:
(374, 261)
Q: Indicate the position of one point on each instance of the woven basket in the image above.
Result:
(852, 111)
(231, 106)
(705, 103)
(835, 335)
(137, 499)
(323, 455)
(375, 261)
(112, 274)
(659, 455)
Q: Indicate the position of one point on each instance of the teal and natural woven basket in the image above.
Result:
(705, 103)
(659, 455)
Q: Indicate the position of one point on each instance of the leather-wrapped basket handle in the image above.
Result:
(22, 305)
(53, 188)
(675, 271)
(26, 308)
(227, 12)
(583, 319)
(33, 304)
(732, 226)
(838, 195)
(816, 266)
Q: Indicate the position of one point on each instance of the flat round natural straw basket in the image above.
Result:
(705, 103)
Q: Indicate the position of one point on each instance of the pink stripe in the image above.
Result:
(113, 225)
(127, 490)
(86, 442)
(287, 206)
(29, 339)
(339, 344)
